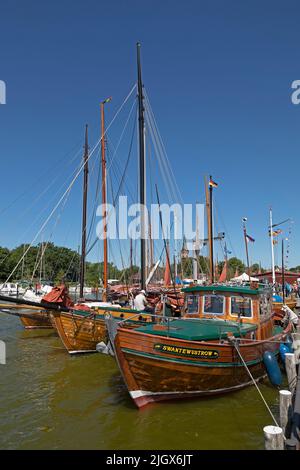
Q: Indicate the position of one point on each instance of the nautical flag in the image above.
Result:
(213, 184)
(275, 242)
(249, 239)
(107, 100)
(275, 232)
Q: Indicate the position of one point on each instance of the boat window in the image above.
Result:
(241, 306)
(192, 303)
(213, 304)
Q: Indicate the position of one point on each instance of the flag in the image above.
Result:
(275, 233)
(107, 100)
(249, 239)
(275, 242)
(213, 184)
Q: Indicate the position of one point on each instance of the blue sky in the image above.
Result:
(218, 75)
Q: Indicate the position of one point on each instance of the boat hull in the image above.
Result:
(36, 320)
(79, 334)
(152, 373)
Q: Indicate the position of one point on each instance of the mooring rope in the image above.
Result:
(233, 342)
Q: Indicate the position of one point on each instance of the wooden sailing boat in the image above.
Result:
(203, 353)
(84, 327)
(217, 347)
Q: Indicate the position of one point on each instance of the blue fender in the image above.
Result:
(283, 349)
(289, 344)
(272, 368)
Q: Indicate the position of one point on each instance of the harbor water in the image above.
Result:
(51, 400)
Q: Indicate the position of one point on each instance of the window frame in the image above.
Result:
(198, 303)
(236, 315)
(213, 313)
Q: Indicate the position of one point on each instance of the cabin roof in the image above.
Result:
(234, 290)
(199, 330)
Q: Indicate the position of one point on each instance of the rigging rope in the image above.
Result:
(71, 184)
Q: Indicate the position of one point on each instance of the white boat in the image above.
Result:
(36, 296)
(11, 289)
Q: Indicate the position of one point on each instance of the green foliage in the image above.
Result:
(57, 263)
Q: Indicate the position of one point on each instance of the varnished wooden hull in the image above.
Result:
(153, 375)
(79, 333)
(36, 319)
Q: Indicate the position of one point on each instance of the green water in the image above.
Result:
(50, 400)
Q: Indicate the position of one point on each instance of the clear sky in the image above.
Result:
(219, 77)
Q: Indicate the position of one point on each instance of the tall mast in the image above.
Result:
(272, 250)
(210, 227)
(84, 210)
(246, 245)
(103, 166)
(142, 167)
(282, 271)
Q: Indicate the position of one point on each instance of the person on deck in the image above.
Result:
(141, 303)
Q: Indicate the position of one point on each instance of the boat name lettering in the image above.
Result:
(207, 353)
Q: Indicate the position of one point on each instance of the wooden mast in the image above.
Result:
(246, 246)
(282, 271)
(84, 210)
(103, 166)
(142, 167)
(208, 194)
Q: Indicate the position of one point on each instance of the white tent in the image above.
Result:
(244, 277)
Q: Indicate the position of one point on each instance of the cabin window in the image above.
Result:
(192, 303)
(241, 306)
(213, 304)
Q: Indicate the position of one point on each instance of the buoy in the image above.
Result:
(289, 344)
(272, 368)
(283, 349)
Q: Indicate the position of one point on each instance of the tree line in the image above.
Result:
(60, 264)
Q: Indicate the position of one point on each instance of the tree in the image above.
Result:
(235, 264)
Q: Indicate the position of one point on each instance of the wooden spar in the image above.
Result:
(282, 273)
(272, 249)
(246, 247)
(166, 246)
(104, 214)
(208, 194)
(84, 211)
(44, 305)
(142, 167)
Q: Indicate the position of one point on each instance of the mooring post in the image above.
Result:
(273, 438)
(285, 406)
(290, 365)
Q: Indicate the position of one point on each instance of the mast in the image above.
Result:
(103, 167)
(282, 271)
(246, 245)
(272, 250)
(84, 210)
(142, 167)
(209, 212)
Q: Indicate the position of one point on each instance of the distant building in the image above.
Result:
(289, 276)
